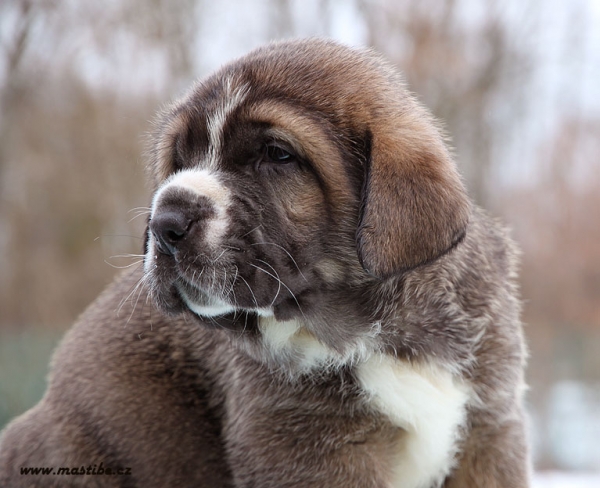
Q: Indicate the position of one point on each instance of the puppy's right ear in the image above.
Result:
(414, 206)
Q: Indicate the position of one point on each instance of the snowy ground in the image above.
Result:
(566, 480)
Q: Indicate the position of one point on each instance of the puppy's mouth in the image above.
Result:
(197, 283)
(236, 277)
(200, 302)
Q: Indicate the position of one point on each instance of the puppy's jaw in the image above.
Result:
(202, 304)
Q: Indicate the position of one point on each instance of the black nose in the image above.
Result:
(169, 230)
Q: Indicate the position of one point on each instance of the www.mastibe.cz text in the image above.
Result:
(91, 470)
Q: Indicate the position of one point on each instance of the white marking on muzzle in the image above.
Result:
(205, 183)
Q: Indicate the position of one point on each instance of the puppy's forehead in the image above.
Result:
(336, 84)
(318, 75)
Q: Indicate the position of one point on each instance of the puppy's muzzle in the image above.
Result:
(179, 221)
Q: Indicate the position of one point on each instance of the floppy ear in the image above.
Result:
(414, 206)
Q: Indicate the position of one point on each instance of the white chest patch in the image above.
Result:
(424, 400)
(429, 404)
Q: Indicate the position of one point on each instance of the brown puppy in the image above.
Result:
(320, 305)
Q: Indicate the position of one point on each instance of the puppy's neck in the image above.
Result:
(290, 345)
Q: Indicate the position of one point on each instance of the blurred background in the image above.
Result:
(517, 84)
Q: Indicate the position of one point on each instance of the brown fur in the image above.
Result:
(366, 242)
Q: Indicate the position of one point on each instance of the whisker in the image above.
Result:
(139, 214)
(251, 292)
(141, 290)
(245, 322)
(278, 279)
(287, 287)
(284, 250)
(212, 319)
(250, 232)
(134, 289)
(231, 247)
(139, 209)
(232, 285)
(125, 266)
(118, 235)
(218, 257)
(128, 256)
(224, 283)
(245, 325)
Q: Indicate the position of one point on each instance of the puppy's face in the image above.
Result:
(291, 183)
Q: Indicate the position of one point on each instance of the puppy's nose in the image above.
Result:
(169, 230)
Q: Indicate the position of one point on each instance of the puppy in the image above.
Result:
(319, 305)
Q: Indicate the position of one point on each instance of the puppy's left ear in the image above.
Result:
(414, 205)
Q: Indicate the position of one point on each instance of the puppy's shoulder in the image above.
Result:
(487, 255)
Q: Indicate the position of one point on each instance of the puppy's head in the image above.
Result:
(290, 183)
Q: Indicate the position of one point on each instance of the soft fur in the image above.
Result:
(320, 304)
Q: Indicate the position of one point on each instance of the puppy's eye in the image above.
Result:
(276, 154)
